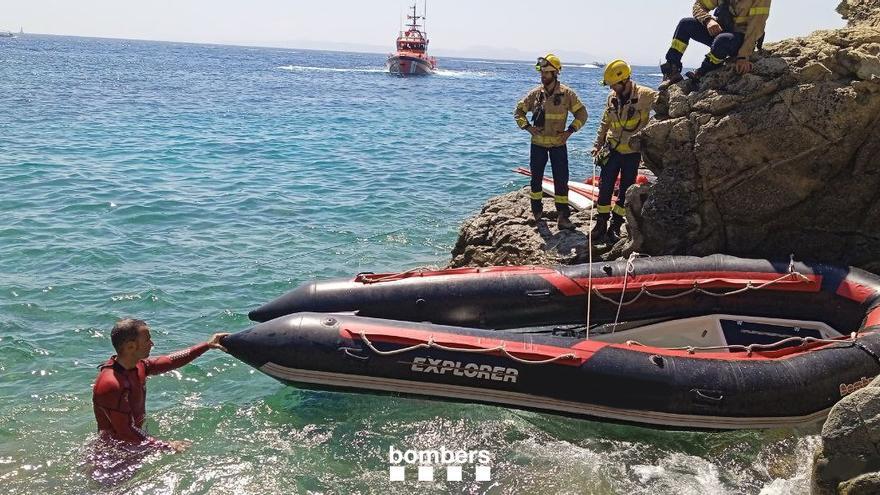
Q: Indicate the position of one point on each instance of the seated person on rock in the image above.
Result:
(735, 28)
(627, 111)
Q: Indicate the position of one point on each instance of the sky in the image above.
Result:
(582, 31)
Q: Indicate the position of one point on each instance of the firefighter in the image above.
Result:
(735, 28)
(627, 111)
(550, 104)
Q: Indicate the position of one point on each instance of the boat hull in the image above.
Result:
(567, 376)
(406, 65)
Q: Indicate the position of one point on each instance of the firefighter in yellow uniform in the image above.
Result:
(550, 104)
(627, 111)
(736, 27)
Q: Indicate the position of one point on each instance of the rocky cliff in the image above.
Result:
(783, 160)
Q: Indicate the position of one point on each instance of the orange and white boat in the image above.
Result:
(411, 57)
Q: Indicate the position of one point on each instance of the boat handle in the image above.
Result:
(708, 396)
(538, 293)
(347, 351)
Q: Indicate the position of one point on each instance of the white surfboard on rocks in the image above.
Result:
(577, 199)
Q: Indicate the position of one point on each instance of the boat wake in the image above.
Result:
(489, 62)
(463, 74)
(306, 68)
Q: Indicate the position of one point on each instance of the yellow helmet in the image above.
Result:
(548, 62)
(615, 72)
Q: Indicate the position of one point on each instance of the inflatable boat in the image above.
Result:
(521, 296)
(676, 342)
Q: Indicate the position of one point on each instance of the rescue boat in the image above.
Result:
(411, 57)
(676, 342)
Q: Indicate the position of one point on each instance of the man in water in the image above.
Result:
(627, 112)
(120, 390)
(550, 103)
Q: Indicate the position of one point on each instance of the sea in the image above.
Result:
(186, 184)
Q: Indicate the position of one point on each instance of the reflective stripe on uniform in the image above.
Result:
(715, 60)
(759, 11)
(577, 124)
(709, 4)
(536, 195)
(679, 46)
(741, 19)
(627, 123)
(547, 141)
(621, 147)
(556, 116)
(619, 210)
(577, 107)
(604, 208)
(522, 122)
(560, 200)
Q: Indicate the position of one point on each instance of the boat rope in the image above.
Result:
(434, 345)
(697, 289)
(590, 250)
(868, 351)
(749, 349)
(369, 278)
(630, 269)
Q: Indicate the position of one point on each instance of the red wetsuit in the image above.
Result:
(120, 395)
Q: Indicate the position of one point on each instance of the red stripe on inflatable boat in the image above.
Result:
(873, 317)
(670, 281)
(583, 350)
(406, 337)
(853, 291)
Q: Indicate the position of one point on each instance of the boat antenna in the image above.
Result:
(425, 17)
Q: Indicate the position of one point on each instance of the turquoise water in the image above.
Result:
(187, 184)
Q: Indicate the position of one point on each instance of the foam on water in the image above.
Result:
(329, 69)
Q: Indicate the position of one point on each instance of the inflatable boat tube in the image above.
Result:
(732, 372)
(660, 287)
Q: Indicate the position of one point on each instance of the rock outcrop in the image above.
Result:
(504, 233)
(783, 160)
(849, 462)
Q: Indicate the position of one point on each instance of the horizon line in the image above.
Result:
(258, 45)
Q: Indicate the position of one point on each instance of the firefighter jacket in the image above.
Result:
(555, 108)
(749, 17)
(622, 119)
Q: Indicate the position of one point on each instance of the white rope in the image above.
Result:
(590, 250)
(630, 268)
(696, 288)
(749, 349)
(431, 344)
(372, 279)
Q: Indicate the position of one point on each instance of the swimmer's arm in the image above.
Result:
(162, 364)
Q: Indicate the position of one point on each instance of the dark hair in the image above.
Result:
(125, 330)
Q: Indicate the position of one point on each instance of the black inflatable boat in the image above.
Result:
(681, 342)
